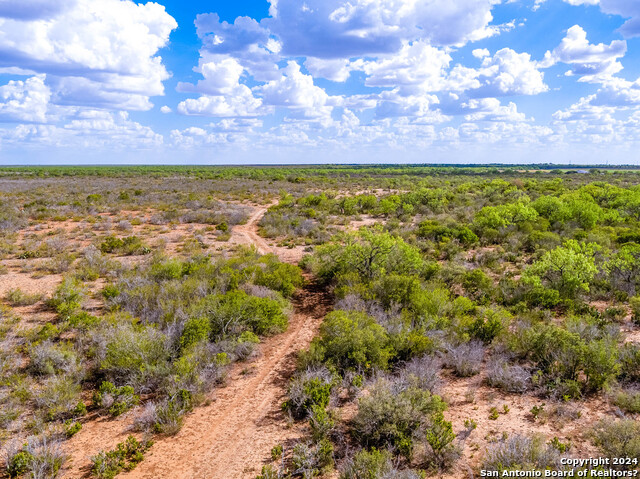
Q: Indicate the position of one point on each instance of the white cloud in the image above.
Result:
(510, 73)
(338, 29)
(337, 70)
(220, 78)
(416, 67)
(165, 109)
(108, 46)
(238, 102)
(480, 53)
(296, 91)
(25, 100)
(590, 62)
(89, 129)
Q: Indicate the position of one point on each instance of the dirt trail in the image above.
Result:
(232, 436)
(248, 233)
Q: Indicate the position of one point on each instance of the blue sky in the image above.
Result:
(291, 81)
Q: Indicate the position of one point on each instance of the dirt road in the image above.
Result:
(234, 435)
(248, 233)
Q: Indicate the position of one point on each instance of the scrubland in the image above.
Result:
(338, 322)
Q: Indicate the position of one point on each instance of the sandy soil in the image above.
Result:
(247, 234)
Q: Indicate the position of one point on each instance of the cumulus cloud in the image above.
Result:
(509, 73)
(108, 46)
(590, 62)
(338, 29)
(25, 100)
(296, 91)
(337, 70)
(417, 66)
(628, 9)
(220, 77)
(89, 129)
(238, 102)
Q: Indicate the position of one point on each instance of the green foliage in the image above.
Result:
(68, 297)
(282, 277)
(125, 457)
(569, 268)
(370, 253)
(365, 464)
(235, 312)
(72, 428)
(478, 285)
(309, 391)
(351, 340)
(117, 400)
(388, 418)
(132, 353)
(130, 245)
(439, 435)
(624, 268)
(195, 330)
(567, 361)
(321, 421)
(435, 231)
(488, 324)
(627, 400)
(19, 464)
(502, 216)
(618, 439)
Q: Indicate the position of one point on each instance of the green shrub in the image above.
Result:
(618, 439)
(388, 418)
(128, 246)
(488, 324)
(634, 302)
(308, 390)
(351, 341)
(630, 362)
(39, 457)
(439, 436)
(59, 397)
(72, 428)
(282, 277)
(373, 464)
(17, 297)
(125, 457)
(132, 354)
(521, 453)
(68, 297)
(19, 464)
(117, 400)
(309, 460)
(569, 269)
(321, 421)
(235, 312)
(169, 414)
(167, 270)
(195, 330)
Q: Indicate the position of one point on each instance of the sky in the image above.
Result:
(319, 81)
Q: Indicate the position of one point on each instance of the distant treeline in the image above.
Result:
(299, 173)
